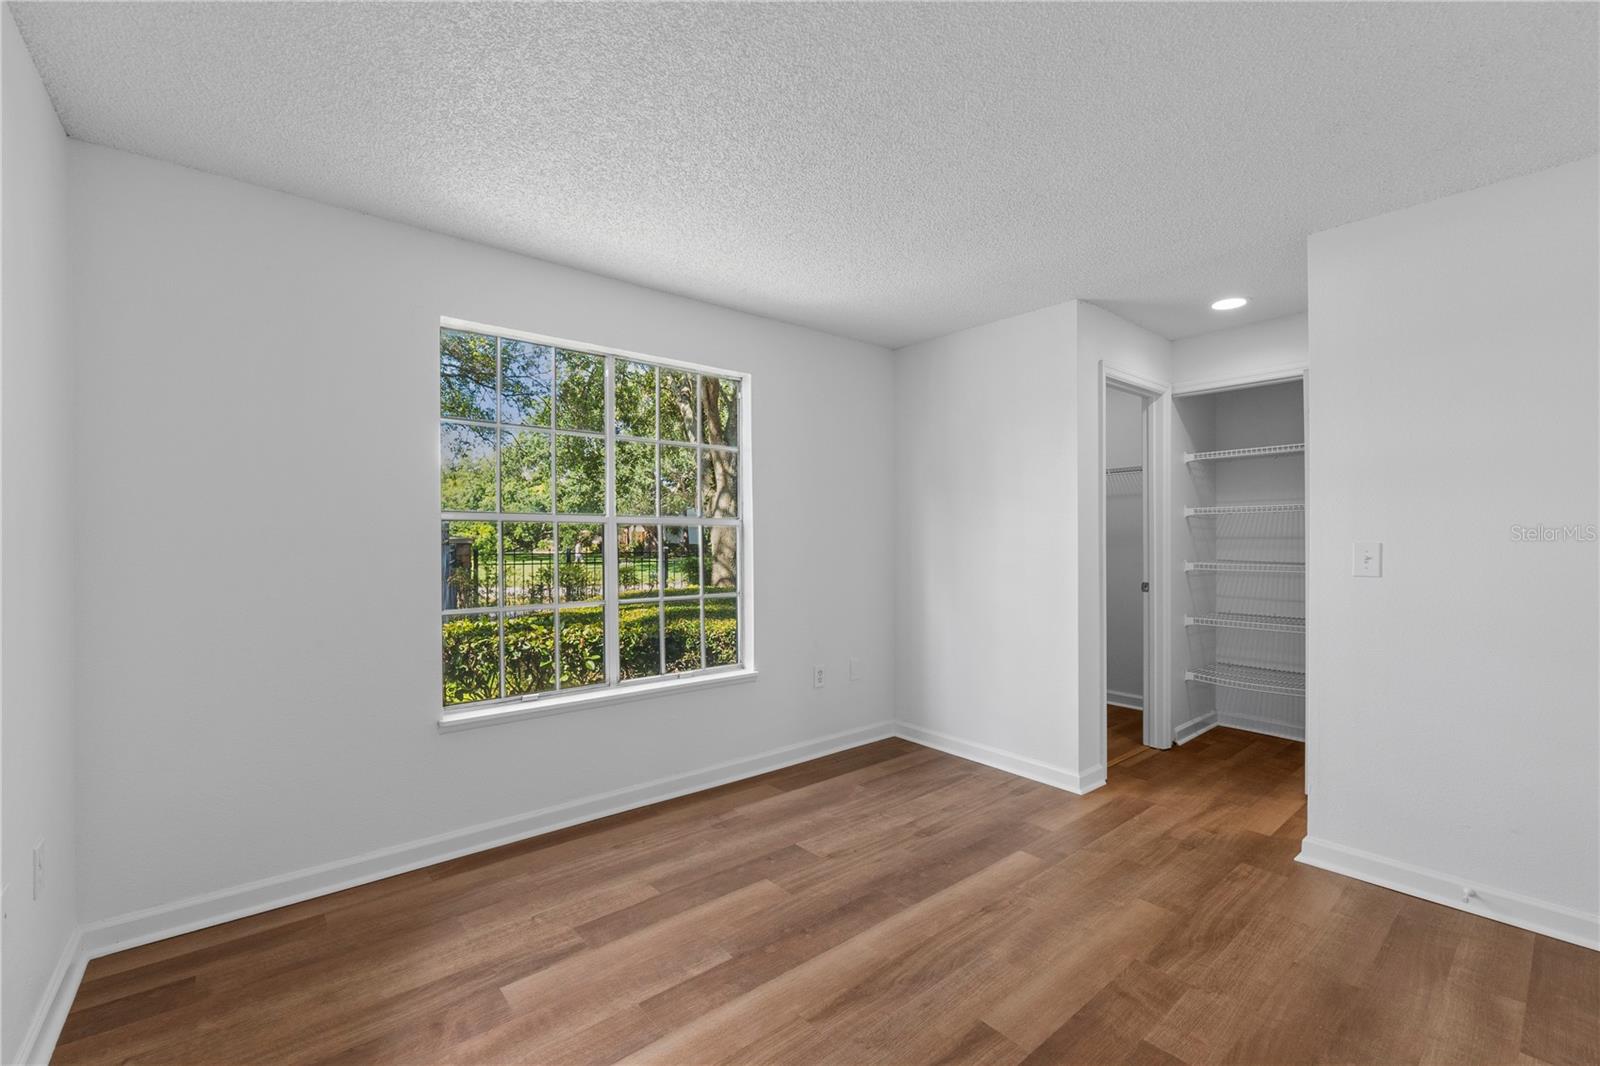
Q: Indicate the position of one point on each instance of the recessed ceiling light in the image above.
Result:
(1231, 303)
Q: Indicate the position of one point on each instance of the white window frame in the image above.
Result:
(614, 689)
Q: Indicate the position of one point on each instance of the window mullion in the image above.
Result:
(499, 507)
(613, 636)
(661, 547)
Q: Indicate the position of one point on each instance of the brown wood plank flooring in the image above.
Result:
(1124, 734)
(887, 904)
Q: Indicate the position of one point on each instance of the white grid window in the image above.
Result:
(591, 518)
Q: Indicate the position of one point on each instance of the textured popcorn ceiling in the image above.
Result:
(889, 172)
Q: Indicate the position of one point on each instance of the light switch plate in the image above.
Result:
(1366, 559)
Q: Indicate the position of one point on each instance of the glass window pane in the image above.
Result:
(677, 404)
(466, 375)
(721, 558)
(638, 561)
(682, 636)
(525, 472)
(580, 474)
(471, 658)
(719, 483)
(525, 382)
(635, 398)
(580, 391)
(677, 480)
(682, 551)
(583, 646)
(466, 468)
(583, 567)
(530, 652)
(636, 478)
(528, 554)
(468, 561)
(722, 632)
(719, 411)
(639, 639)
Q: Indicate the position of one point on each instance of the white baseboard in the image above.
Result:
(1129, 700)
(1194, 727)
(39, 1043)
(1262, 725)
(1091, 779)
(213, 908)
(1011, 763)
(1535, 915)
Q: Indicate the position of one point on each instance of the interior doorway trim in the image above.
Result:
(1157, 416)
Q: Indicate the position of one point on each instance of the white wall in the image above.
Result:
(986, 480)
(1455, 709)
(1102, 337)
(38, 426)
(1259, 348)
(1000, 657)
(258, 392)
(1124, 547)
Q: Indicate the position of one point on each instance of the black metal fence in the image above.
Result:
(532, 577)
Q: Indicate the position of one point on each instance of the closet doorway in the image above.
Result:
(1127, 583)
(1132, 716)
(1242, 495)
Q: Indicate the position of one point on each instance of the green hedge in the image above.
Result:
(472, 651)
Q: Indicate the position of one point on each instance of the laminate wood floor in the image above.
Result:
(1124, 734)
(888, 904)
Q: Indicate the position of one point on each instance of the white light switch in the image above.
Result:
(1366, 560)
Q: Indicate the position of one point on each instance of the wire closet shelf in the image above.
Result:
(1230, 566)
(1244, 453)
(1251, 678)
(1263, 623)
(1245, 508)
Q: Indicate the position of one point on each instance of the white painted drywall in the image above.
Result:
(1454, 703)
(1102, 337)
(1258, 348)
(986, 541)
(260, 648)
(1124, 547)
(38, 427)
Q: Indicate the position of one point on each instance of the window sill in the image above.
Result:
(455, 721)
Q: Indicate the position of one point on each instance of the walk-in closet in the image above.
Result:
(1240, 487)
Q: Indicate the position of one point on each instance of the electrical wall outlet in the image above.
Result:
(38, 869)
(816, 677)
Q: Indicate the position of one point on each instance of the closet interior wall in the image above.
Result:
(1241, 533)
(1124, 518)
